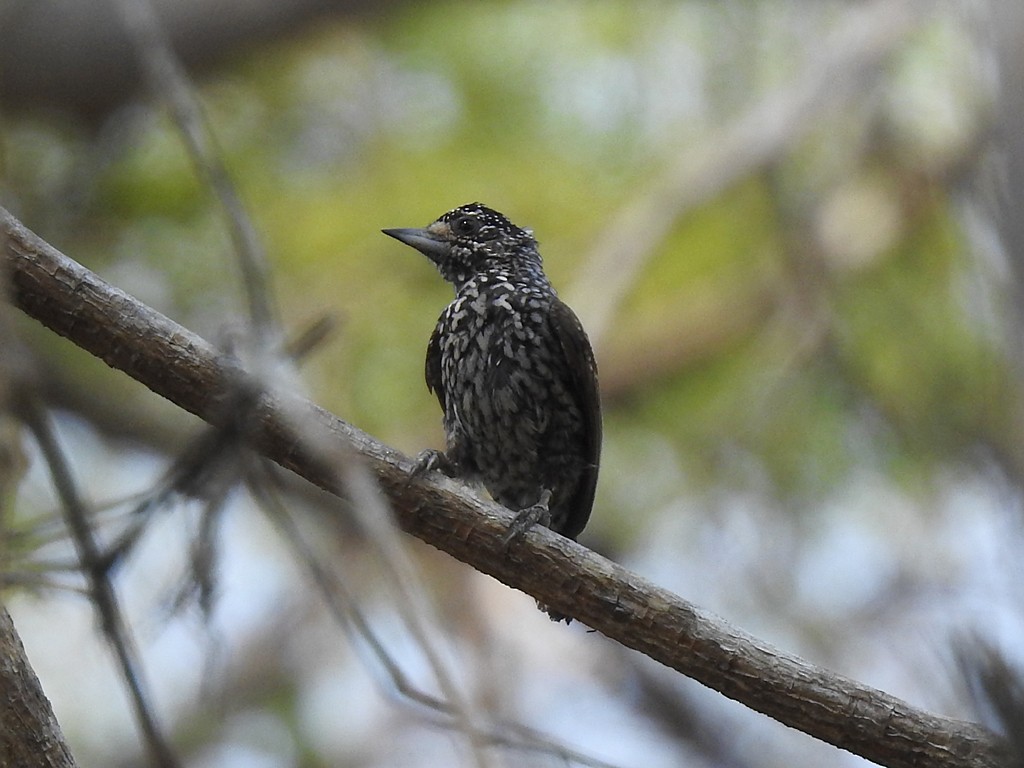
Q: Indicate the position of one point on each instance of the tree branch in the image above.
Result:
(187, 370)
(101, 590)
(29, 734)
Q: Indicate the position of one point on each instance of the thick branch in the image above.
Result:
(29, 733)
(569, 578)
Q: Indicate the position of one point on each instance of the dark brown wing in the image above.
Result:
(433, 368)
(580, 363)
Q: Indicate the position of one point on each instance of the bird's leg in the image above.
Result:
(528, 517)
(524, 520)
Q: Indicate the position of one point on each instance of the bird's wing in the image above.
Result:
(582, 367)
(433, 367)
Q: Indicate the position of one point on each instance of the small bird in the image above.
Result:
(513, 371)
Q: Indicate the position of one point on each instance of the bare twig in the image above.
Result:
(377, 517)
(997, 688)
(377, 520)
(168, 80)
(101, 590)
(679, 714)
(344, 608)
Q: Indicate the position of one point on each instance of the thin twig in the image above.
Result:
(103, 596)
(376, 518)
(996, 688)
(345, 610)
(168, 81)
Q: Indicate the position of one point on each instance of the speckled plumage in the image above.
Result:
(512, 369)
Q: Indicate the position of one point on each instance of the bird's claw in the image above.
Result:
(427, 461)
(553, 614)
(528, 517)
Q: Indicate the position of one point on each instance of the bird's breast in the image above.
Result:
(492, 345)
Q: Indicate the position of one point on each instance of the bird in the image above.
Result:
(513, 372)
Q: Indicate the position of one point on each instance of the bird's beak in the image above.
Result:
(423, 240)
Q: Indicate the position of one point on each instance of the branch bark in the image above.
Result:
(184, 368)
(29, 734)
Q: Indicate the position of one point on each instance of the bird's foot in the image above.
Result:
(553, 614)
(528, 517)
(429, 460)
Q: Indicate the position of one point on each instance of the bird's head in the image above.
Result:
(472, 240)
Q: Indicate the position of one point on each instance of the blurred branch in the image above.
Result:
(101, 590)
(73, 56)
(997, 689)
(677, 713)
(180, 366)
(1008, 24)
(375, 515)
(167, 79)
(844, 64)
(30, 736)
(344, 609)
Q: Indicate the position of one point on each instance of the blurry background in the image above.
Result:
(791, 229)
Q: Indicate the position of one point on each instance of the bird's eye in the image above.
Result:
(465, 225)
